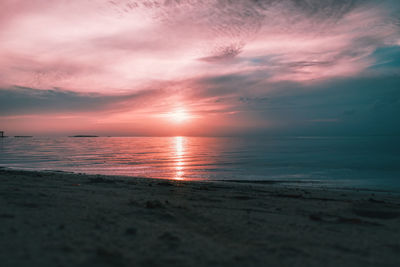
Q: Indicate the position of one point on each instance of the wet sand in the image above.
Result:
(63, 219)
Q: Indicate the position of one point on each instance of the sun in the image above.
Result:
(179, 115)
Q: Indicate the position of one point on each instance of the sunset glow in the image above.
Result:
(213, 67)
(179, 116)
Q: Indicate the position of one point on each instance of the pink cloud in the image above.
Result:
(102, 45)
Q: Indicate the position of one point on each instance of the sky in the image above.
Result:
(201, 68)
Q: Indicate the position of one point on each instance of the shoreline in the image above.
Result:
(69, 219)
(306, 184)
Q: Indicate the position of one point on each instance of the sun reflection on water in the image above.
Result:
(179, 161)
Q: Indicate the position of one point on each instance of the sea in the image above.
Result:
(366, 162)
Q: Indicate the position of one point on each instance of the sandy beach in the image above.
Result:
(65, 219)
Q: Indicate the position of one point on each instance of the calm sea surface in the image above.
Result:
(363, 162)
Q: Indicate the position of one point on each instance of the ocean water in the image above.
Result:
(341, 162)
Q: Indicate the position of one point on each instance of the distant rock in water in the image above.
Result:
(84, 136)
(22, 136)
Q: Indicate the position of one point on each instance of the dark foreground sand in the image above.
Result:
(61, 219)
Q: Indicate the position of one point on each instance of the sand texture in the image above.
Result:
(62, 219)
